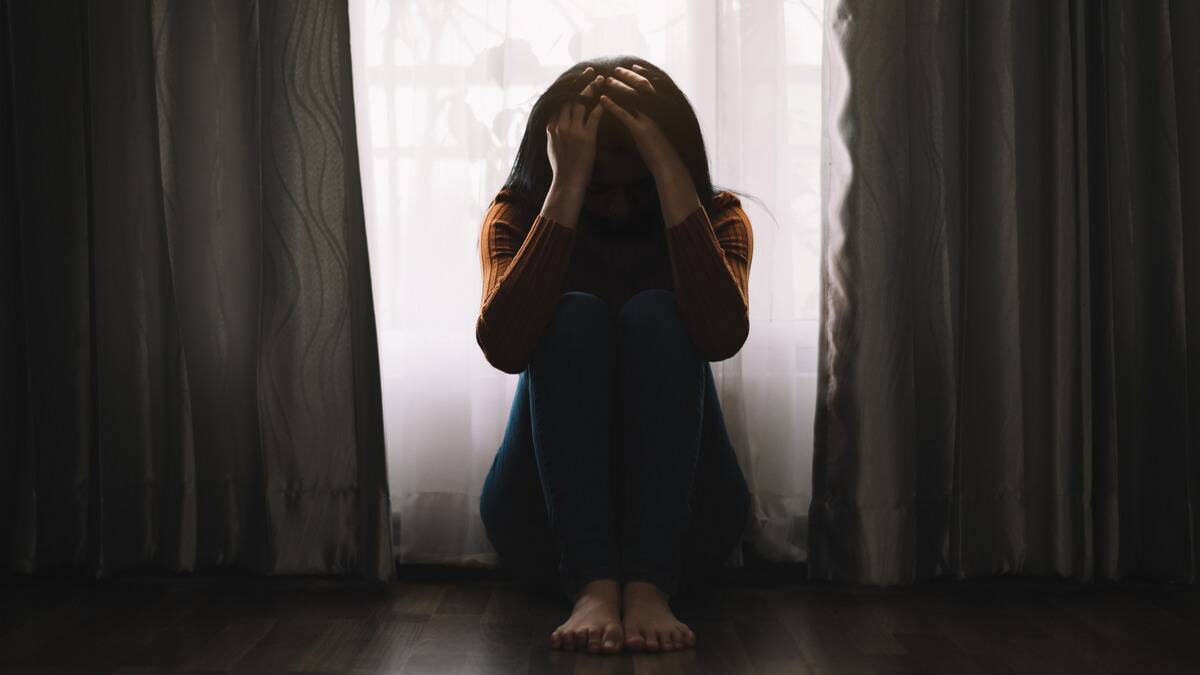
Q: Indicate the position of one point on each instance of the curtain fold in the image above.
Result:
(192, 368)
(1010, 278)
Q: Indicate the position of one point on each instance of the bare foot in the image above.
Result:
(649, 623)
(595, 622)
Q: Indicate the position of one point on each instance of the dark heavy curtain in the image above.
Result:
(1010, 343)
(190, 372)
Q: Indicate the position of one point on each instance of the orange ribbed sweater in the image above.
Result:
(529, 260)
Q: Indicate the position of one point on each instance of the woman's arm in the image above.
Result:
(710, 263)
(523, 268)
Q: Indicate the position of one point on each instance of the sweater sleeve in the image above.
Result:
(524, 264)
(710, 265)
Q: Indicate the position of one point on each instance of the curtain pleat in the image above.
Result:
(1010, 248)
(191, 291)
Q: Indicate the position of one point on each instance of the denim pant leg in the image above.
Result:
(721, 501)
(512, 505)
(686, 501)
(569, 381)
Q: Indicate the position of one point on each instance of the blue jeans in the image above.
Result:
(615, 462)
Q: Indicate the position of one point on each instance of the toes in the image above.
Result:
(593, 639)
(652, 641)
(581, 639)
(681, 638)
(612, 637)
(634, 640)
(568, 640)
(555, 639)
(691, 637)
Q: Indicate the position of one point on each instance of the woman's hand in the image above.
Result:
(657, 152)
(571, 138)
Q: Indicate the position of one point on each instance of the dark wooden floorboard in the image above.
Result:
(489, 624)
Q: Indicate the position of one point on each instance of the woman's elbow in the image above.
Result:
(729, 342)
(510, 366)
(499, 357)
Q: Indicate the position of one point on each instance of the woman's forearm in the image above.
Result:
(676, 192)
(524, 278)
(563, 202)
(706, 273)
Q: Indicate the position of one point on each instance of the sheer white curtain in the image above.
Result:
(442, 92)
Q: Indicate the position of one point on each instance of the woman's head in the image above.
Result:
(622, 187)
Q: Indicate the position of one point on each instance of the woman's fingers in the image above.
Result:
(619, 86)
(575, 118)
(592, 84)
(579, 112)
(568, 113)
(590, 92)
(584, 78)
(626, 85)
(588, 81)
(593, 120)
(621, 113)
(634, 79)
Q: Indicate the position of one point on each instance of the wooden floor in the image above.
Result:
(465, 622)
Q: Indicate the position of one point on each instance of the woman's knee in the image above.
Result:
(579, 323)
(650, 301)
(652, 313)
(654, 305)
(578, 310)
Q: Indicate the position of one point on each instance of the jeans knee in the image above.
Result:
(579, 306)
(650, 304)
(578, 313)
(653, 310)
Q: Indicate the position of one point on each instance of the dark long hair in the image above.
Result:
(531, 174)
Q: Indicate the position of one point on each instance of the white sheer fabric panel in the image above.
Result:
(442, 93)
